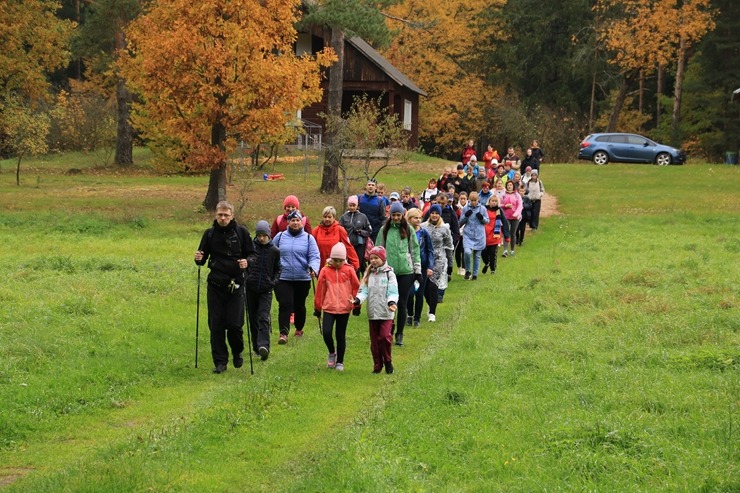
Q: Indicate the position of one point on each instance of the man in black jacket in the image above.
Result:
(225, 246)
(262, 277)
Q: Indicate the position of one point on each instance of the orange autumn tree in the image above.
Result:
(213, 71)
(435, 48)
(646, 34)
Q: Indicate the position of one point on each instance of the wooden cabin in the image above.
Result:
(366, 72)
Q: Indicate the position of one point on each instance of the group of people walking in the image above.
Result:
(391, 253)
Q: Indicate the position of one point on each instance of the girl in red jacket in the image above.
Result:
(335, 291)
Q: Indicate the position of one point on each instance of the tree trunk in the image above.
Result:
(593, 103)
(619, 103)
(217, 182)
(330, 177)
(125, 132)
(676, 117)
(18, 171)
(659, 93)
(640, 105)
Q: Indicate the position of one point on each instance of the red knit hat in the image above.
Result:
(379, 252)
(291, 200)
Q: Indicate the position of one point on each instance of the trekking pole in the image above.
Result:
(313, 286)
(197, 319)
(249, 328)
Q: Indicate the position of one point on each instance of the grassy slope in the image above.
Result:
(604, 356)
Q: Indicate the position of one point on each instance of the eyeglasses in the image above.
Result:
(223, 215)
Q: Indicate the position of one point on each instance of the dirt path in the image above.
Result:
(549, 206)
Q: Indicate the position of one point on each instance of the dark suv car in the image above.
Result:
(628, 148)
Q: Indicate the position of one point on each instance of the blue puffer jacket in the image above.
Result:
(299, 254)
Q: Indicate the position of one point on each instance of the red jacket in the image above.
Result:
(335, 289)
(328, 236)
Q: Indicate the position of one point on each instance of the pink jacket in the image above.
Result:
(515, 211)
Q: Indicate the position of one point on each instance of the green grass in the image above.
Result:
(603, 357)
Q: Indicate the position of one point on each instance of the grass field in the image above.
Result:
(603, 357)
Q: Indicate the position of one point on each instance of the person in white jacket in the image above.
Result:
(380, 288)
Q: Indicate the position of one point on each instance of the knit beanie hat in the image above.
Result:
(291, 200)
(338, 251)
(397, 208)
(295, 215)
(435, 208)
(379, 252)
(352, 199)
(262, 228)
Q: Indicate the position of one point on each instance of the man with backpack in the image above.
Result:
(225, 246)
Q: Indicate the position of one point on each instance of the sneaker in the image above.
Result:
(219, 369)
(417, 323)
(432, 317)
(331, 361)
(410, 320)
(283, 339)
(388, 367)
(467, 276)
(474, 278)
(264, 353)
(299, 333)
(292, 318)
(485, 268)
(238, 361)
(460, 271)
(512, 253)
(505, 254)
(339, 367)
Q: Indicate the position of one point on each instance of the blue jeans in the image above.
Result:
(475, 254)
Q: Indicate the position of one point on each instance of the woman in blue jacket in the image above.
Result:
(426, 251)
(474, 218)
(299, 263)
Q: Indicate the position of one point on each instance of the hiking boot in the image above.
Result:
(331, 361)
(485, 268)
(339, 367)
(467, 275)
(219, 369)
(238, 361)
(474, 278)
(432, 317)
(399, 339)
(388, 367)
(505, 254)
(283, 339)
(299, 333)
(264, 353)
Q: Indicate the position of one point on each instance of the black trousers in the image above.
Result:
(534, 220)
(415, 302)
(405, 286)
(225, 321)
(490, 257)
(291, 297)
(340, 320)
(260, 322)
(459, 255)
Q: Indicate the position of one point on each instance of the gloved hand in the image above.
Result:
(356, 310)
(479, 216)
(417, 278)
(469, 213)
(356, 301)
(317, 313)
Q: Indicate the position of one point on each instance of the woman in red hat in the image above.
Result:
(280, 223)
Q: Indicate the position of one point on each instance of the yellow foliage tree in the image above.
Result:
(214, 71)
(434, 49)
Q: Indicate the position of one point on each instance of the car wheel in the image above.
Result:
(600, 157)
(663, 159)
